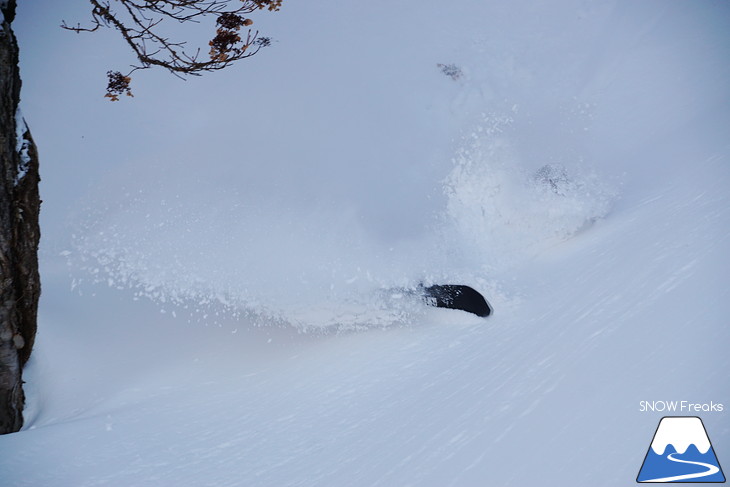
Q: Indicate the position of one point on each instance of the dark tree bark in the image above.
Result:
(19, 197)
(19, 232)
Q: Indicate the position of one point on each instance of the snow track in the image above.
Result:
(711, 470)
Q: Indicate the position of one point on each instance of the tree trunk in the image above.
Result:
(19, 232)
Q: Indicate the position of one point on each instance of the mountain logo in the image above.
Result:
(681, 452)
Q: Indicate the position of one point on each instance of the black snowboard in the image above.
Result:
(457, 296)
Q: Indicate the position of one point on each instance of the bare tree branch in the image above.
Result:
(137, 22)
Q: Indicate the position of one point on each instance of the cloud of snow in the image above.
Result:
(506, 211)
(304, 256)
(194, 240)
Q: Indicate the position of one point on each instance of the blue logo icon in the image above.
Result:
(680, 452)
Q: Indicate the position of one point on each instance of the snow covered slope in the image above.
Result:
(229, 315)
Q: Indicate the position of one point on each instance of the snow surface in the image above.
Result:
(22, 146)
(223, 259)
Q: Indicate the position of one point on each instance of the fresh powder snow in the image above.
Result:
(229, 262)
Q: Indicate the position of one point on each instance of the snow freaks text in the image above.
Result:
(680, 407)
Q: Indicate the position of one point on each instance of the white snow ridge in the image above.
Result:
(681, 432)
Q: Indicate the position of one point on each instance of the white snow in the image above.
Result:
(22, 146)
(223, 258)
(681, 432)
